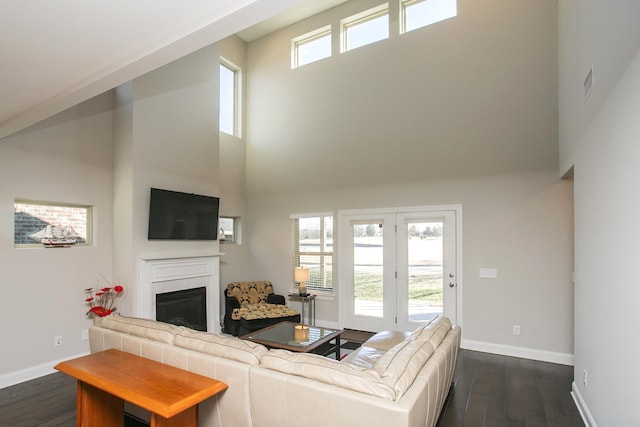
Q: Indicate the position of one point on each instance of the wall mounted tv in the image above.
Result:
(182, 216)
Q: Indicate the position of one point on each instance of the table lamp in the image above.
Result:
(301, 275)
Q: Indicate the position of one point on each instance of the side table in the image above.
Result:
(108, 378)
(308, 301)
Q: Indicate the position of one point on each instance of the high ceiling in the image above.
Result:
(55, 54)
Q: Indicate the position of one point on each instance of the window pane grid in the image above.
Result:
(313, 249)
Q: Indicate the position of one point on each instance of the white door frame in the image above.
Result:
(344, 299)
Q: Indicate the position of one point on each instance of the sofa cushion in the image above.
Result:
(364, 356)
(328, 371)
(222, 346)
(262, 311)
(250, 292)
(416, 332)
(146, 328)
(399, 366)
(386, 340)
(435, 331)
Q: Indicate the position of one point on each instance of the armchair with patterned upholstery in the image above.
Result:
(250, 306)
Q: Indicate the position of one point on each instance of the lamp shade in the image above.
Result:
(301, 275)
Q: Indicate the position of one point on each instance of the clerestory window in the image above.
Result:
(311, 47)
(420, 13)
(365, 28)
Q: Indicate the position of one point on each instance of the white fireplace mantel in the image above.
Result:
(160, 275)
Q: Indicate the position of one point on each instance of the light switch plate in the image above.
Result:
(488, 273)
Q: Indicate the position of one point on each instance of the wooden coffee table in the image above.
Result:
(284, 336)
(108, 378)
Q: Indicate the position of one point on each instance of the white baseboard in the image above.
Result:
(17, 377)
(582, 406)
(325, 324)
(526, 353)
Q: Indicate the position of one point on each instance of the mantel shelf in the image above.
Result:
(160, 257)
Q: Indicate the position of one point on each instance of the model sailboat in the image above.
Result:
(56, 236)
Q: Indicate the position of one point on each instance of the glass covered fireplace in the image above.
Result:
(186, 307)
(182, 291)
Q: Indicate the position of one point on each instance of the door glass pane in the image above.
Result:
(426, 282)
(368, 270)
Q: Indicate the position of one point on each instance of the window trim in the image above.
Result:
(360, 18)
(303, 39)
(404, 4)
(237, 92)
(321, 291)
(90, 212)
(236, 231)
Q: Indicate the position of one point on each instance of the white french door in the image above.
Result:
(398, 268)
(366, 268)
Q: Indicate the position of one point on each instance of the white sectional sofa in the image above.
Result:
(394, 379)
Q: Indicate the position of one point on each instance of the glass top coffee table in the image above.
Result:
(300, 338)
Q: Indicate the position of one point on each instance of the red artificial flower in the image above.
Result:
(102, 303)
(101, 311)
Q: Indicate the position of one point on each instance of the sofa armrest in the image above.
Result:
(276, 299)
(231, 302)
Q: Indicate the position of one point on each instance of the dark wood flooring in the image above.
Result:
(496, 391)
(48, 401)
(489, 390)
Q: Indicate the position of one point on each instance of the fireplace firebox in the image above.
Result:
(187, 307)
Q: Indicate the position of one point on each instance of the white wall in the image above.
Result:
(599, 139)
(166, 137)
(161, 131)
(519, 224)
(592, 33)
(472, 95)
(462, 112)
(607, 253)
(67, 158)
(233, 174)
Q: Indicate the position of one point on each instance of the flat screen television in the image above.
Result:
(182, 216)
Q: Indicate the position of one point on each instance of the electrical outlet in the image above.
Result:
(584, 378)
(57, 341)
(516, 329)
(85, 334)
